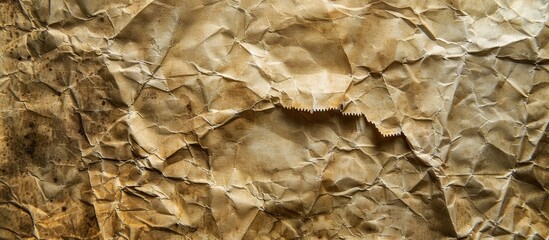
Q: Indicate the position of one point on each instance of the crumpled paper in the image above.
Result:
(164, 119)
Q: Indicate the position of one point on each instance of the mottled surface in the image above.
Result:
(142, 119)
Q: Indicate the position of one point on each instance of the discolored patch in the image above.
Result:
(32, 140)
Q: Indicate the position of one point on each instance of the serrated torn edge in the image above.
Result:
(384, 133)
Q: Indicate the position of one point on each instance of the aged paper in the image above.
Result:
(274, 119)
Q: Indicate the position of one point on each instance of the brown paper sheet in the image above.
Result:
(274, 119)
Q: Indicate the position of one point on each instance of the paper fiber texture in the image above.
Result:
(258, 119)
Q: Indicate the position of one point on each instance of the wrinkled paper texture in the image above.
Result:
(274, 119)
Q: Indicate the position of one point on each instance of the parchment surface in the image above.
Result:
(274, 119)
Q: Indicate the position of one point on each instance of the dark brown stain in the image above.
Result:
(30, 141)
(5, 194)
